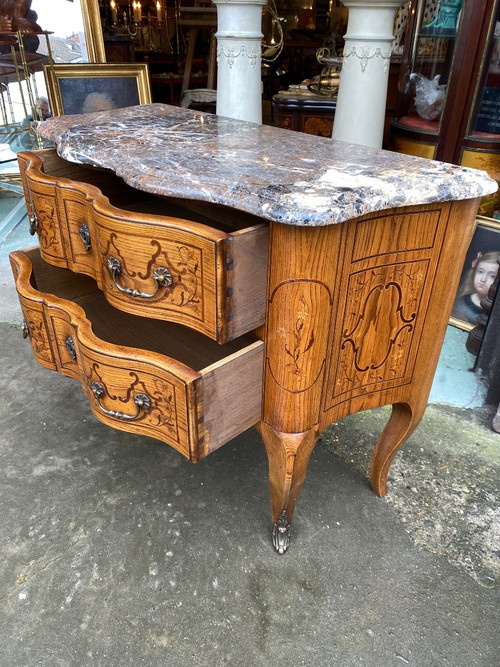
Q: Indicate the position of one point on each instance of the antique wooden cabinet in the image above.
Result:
(448, 101)
(250, 276)
(312, 114)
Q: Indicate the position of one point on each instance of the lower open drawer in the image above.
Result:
(140, 375)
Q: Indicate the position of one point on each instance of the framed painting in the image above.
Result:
(478, 273)
(84, 88)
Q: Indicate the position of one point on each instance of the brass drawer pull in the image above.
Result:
(84, 233)
(142, 401)
(33, 224)
(25, 329)
(70, 345)
(161, 276)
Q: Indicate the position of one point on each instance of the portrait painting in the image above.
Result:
(84, 88)
(478, 273)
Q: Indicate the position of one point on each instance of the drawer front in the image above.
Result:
(148, 264)
(159, 272)
(132, 388)
(77, 223)
(45, 221)
(62, 334)
(134, 395)
(34, 327)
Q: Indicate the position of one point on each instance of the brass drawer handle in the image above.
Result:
(33, 224)
(25, 329)
(142, 401)
(84, 233)
(70, 345)
(161, 276)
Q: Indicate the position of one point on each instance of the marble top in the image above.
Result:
(277, 174)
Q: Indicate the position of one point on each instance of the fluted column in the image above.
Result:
(362, 96)
(239, 35)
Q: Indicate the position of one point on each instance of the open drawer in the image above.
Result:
(144, 376)
(195, 263)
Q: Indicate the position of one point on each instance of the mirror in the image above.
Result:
(66, 18)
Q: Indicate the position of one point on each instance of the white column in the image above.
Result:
(362, 96)
(239, 35)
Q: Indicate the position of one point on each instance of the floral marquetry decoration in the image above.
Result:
(383, 307)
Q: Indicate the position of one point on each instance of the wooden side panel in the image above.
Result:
(302, 283)
(357, 312)
(378, 328)
(246, 280)
(229, 397)
(396, 294)
(403, 232)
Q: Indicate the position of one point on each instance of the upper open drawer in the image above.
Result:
(197, 264)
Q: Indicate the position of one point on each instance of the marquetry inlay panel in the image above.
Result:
(381, 314)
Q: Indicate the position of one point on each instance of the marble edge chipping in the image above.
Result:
(282, 176)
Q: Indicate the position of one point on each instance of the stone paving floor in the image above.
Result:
(444, 484)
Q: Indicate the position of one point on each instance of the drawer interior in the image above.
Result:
(119, 328)
(125, 197)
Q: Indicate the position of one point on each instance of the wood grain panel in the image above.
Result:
(406, 232)
(122, 379)
(302, 279)
(246, 274)
(48, 225)
(389, 326)
(221, 402)
(377, 345)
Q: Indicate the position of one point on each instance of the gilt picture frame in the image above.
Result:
(93, 31)
(86, 87)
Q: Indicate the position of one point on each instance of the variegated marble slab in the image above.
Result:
(277, 174)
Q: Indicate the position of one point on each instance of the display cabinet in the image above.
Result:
(448, 108)
(448, 102)
(480, 145)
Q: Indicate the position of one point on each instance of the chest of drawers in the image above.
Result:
(286, 304)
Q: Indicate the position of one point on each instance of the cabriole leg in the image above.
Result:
(288, 455)
(403, 421)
